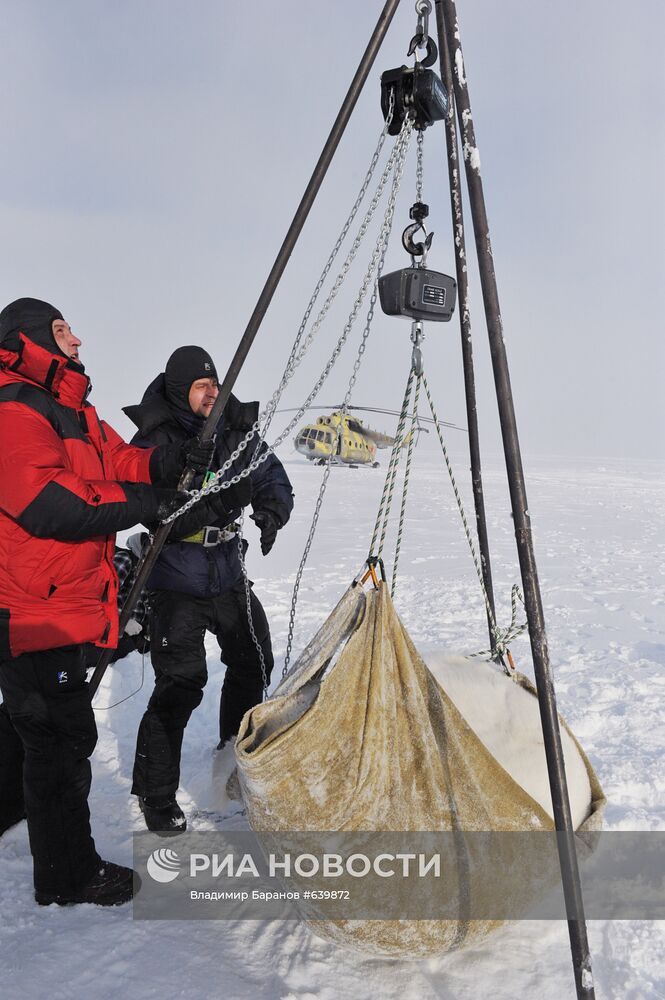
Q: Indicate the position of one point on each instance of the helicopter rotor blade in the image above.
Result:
(374, 409)
(396, 413)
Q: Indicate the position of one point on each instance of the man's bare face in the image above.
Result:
(67, 341)
(202, 396)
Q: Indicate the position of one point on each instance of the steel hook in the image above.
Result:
(412, 248)
(417, 42)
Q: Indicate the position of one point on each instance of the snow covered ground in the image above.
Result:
(600, 546)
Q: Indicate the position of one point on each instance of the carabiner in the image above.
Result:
(417, 337)
(423, 10)
(370, 573)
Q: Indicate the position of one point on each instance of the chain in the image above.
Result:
(248, 602)
(396, 160)
(294, 357)
(396, 152)
(389, 486)
(391, 476)
(382, 247)
(395, 165)
(397, 156)
(215, 486)
(419, 166)
(402, 144)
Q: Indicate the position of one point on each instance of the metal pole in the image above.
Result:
(150, 557)
(532, 597)
(465, 317)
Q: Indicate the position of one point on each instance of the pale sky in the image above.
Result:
(154, 152)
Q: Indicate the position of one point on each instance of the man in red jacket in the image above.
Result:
(68, 482)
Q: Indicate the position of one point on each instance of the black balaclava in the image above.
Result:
(186, 365)
(33, 318)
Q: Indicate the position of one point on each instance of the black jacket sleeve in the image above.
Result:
(58, 513)
(272, 490)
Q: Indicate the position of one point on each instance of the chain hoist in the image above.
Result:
(418, 91)
(416, 292)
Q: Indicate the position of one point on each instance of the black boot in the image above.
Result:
(225, 741)
(110, 886)
(162, 814)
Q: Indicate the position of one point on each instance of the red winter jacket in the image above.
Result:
(60, 505)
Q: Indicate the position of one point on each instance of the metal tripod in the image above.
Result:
(448, 35)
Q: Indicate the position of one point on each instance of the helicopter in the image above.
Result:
(354, 444)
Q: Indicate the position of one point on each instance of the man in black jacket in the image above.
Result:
(198, 583)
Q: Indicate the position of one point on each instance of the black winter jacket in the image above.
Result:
(189, 567)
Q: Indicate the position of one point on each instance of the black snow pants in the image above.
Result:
(47, 734)
(178, 626)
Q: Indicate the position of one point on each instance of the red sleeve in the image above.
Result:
(32, 456)
(46, 497)
(130, 463)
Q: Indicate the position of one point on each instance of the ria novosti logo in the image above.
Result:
(163, 865)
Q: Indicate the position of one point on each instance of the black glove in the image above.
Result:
(198, 454)
(168, 461)
(234, 497)
(170, 502)
(268, 525)
(213, 509)
(158, 504)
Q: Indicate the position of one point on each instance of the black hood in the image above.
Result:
(34, 319)
(186, 365)
(155, 410)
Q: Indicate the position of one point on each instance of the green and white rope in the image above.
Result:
(381, 523)
(503, 637)
(405, 487)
